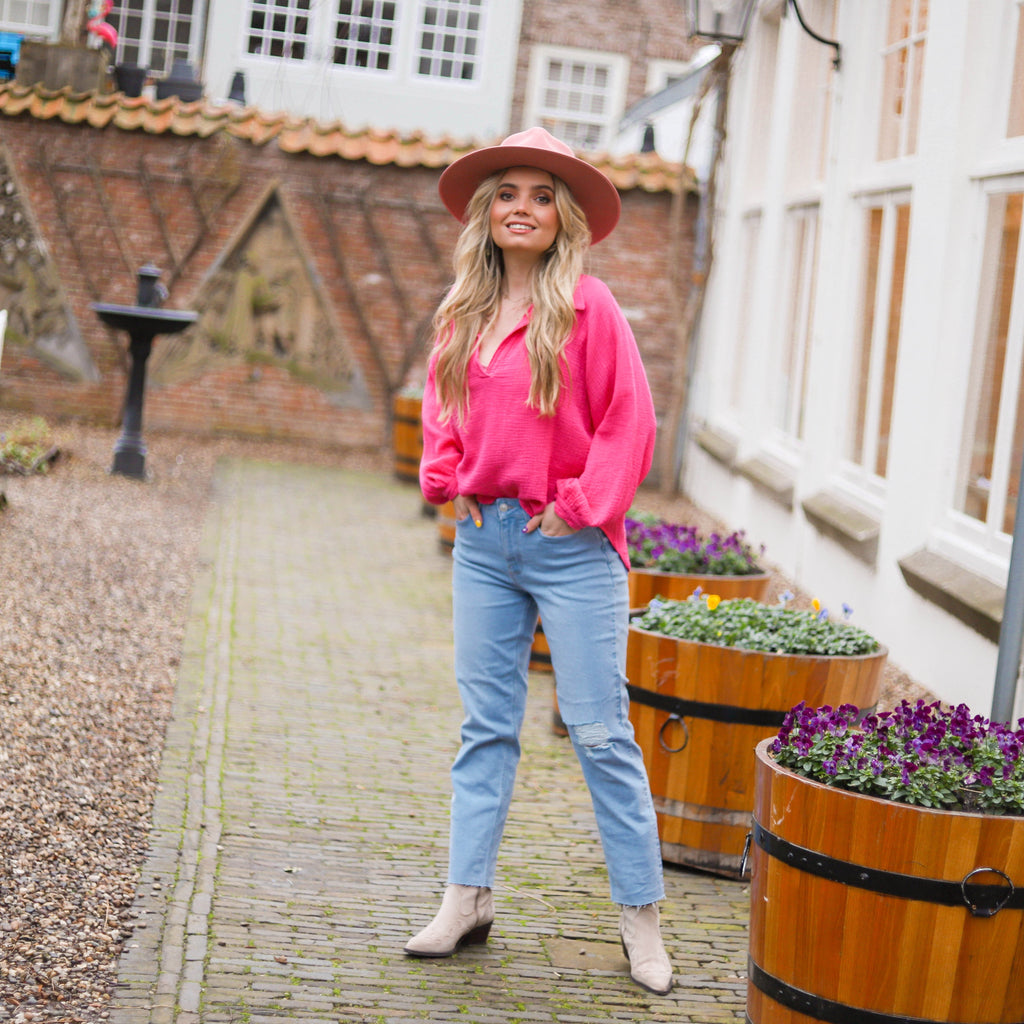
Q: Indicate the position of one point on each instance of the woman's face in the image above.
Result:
(523, 214)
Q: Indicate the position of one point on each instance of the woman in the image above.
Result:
(538, 425)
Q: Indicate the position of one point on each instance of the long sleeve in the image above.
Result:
(622, 413)
(442, 450)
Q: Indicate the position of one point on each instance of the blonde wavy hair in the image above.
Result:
(473, 300)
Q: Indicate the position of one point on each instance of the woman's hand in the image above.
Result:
(550, 522)
(466, 505)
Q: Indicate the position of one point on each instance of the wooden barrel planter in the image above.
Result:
(699, 710)
(867, 910)
(540, 652)
(407, 436)
(647, 584)
(446, 526)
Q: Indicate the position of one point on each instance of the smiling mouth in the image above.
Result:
(519, 229)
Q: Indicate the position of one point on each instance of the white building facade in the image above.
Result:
(436, 66)
(858, 405)
(442, 67)
(471, 70)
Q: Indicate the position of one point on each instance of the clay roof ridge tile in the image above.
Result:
(102, 110)
(293, 136)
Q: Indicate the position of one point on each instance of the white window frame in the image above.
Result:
(310, 41)
(796, 333)
(461, 7)
(49, 28)
(760, 102)
(538, 112)
(915, 41)
(393, 49)
(748, 269)
(861, 475)
(146, 45)
(661, 73)
(983, 546)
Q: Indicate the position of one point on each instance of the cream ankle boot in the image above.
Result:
(465, 916)
(649, 965)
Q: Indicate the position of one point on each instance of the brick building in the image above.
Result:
(312, 242)
(315, 256)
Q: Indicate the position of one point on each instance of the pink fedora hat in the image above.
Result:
(535, 148)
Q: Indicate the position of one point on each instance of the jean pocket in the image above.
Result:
(564, 538)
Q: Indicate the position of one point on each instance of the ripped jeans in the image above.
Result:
(502, 578)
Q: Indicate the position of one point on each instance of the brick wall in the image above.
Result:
(642, 31)
(376, 240)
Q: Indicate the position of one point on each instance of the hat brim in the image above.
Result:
(597, 196)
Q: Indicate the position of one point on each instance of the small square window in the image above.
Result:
(445, 54)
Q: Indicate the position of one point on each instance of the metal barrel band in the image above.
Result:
(819, 1007)
(699, 709)
(980, 900)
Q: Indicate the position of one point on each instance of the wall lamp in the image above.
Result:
(726, 21)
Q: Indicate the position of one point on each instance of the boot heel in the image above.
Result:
(477, 935)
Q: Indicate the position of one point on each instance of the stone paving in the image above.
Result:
(300, 832)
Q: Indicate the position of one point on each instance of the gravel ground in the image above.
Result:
(95, 578)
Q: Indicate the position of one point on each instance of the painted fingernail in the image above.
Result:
(478, 522)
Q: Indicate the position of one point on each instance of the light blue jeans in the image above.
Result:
(502, 578)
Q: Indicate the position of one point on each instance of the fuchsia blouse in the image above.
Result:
(589, 458)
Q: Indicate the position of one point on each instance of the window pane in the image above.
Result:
(900, 20)
(155, 33)
(989, 363)
(450, 53)
(763, 71)
(1015, 126)
(28, 16)
(751, 240)
(811, 102)
(914, 99)
(892, 340)
(279, 28)
(862, 366)
(894, 85)
(902, 71)
(576, 101)
(792, 388)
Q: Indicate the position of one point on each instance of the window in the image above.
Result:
(577, 95)
(364, 34)
(1015, 126)
(763, 73)
(990, 459)
(903, 65)
(802, 232)
(874, 369)
(751, 229)
(156, 33)
(449, 39)
(32, 17)
(279, 28)
(812, 100)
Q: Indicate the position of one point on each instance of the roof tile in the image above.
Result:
(204, 118)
